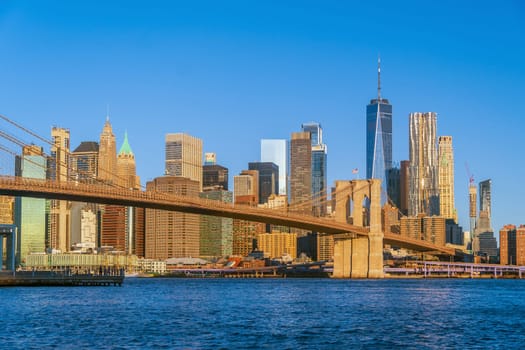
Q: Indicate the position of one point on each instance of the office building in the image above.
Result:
(171, 234)
(423, 192)
(126, 166)
(58, 228)
(319, 168)
(274, 151)
(379, 138)
(268, 179)
(216, 233)
(184, 157)
(301, 173)
(30, 213)
(107, 155)
(447, 207)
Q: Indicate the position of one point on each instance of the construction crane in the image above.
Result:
(470, 176)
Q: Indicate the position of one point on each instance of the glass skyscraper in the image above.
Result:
(319, 166)
(30, 213)
(484, 197)
(379, 138)
(275, 151)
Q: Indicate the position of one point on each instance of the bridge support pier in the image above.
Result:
(358, 256)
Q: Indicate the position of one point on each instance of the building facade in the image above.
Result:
(172, 234)
(379, 138)
(446, 178)
(423, 192)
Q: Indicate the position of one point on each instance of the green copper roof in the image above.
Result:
(125, 148)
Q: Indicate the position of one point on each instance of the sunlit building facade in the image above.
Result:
(319, 167)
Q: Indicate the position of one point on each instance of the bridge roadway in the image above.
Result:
(104, 194)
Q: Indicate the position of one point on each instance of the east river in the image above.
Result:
(267, 314)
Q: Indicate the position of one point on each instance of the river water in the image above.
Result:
(267, 314)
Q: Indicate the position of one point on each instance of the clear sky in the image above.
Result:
(235, 72)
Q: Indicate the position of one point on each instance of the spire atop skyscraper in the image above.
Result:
(378, 78)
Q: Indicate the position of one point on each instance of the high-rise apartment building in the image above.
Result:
(379, 138)
(446, 178)
(301, 172)
(274, 151)
(319, 167)
(184, 157)
(268, 179)
(58, 229)
(30, 213)
(172, 234)
(107, 154)
(423, 193)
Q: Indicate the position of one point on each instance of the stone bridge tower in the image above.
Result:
(358, 202)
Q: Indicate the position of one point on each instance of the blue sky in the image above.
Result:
(234, 72)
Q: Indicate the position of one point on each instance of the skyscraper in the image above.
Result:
(30, 213)
(423, 193)
(58, 230)
(379, 138)
(126, 166)
(214, 175)
(485, 197)
(301, 171)
(319, 167)
(107, 154)
(184, 157)
(446, 178)
(268, 179)
(275, 151)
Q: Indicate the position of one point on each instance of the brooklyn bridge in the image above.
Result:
(359, 240)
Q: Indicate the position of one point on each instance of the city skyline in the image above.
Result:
(235, 75)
